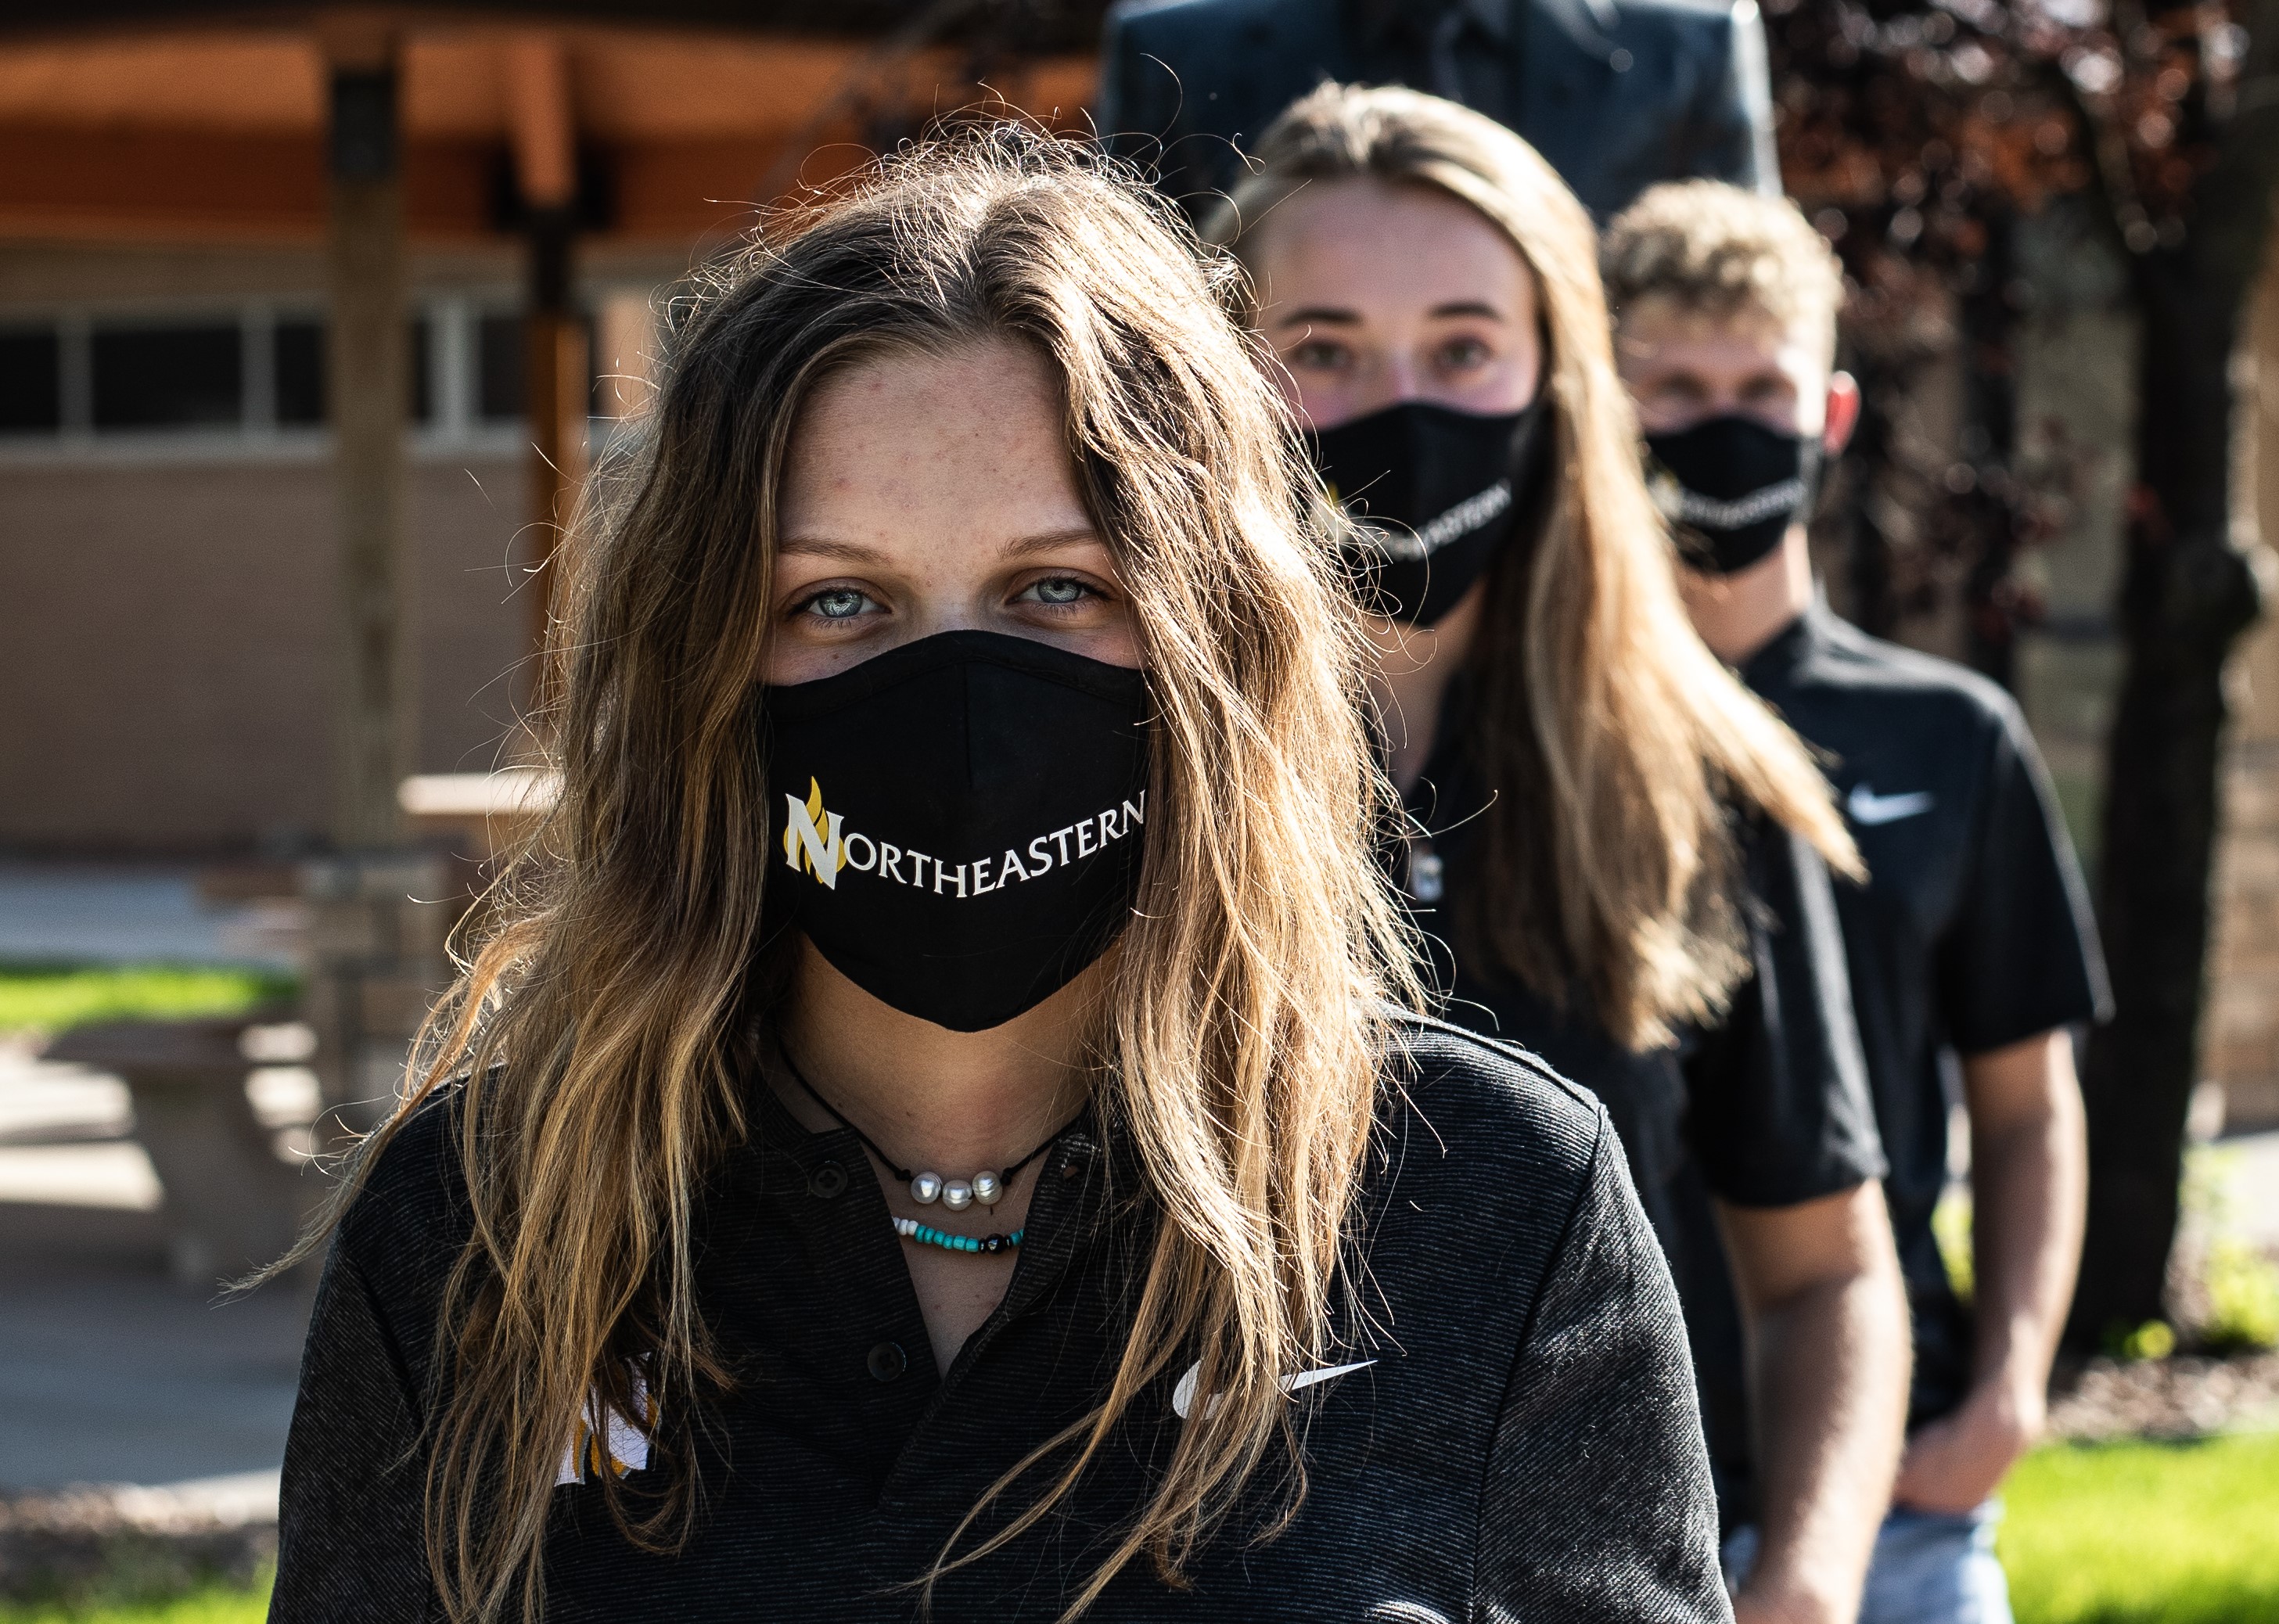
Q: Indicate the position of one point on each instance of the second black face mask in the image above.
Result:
(958, 821)
(1731, 487)
(1435, 493)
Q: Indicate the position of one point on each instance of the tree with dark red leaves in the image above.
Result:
(1918, 134)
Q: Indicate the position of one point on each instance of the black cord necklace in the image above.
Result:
(986, 1187)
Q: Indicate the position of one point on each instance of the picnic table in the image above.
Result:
(231, 1202)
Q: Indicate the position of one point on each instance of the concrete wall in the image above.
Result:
(164, 641)
(165, 607)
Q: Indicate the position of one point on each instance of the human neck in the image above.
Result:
(930, 1098)
(1738, 614)
(1410, 678)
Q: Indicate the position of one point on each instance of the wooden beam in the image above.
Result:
(536, 71)
(202, 187)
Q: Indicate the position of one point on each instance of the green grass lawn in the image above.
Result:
(49, 998)
(218, 1605)
(2145, 1533)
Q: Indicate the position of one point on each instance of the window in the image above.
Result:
(31, 380)
(300, 372)
(500, 376)
(503, 376)
(421, 378)
(259, 376)
(170, 376)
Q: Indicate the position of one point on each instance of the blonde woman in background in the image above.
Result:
(1621, 857)
(933, 1124)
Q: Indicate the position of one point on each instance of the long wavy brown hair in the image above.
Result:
(594, 1035)
(1616, 746)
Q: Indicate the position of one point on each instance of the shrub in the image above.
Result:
(2243, 1299)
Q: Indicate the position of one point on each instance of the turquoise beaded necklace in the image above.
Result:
(926, 1235)
(925, 1187)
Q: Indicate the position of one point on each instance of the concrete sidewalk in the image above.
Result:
(108, 1371)
(119, 914)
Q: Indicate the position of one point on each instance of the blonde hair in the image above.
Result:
(1239, 1042)
(1714, 249)
(1609, 736)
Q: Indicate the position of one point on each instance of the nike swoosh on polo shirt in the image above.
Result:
(1182, 1395)
(1867, 807)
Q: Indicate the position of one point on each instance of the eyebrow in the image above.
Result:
(1026, 547)
(856, 553)
(1319, 315)
(1333, 317)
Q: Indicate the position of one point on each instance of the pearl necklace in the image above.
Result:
(988, 1186)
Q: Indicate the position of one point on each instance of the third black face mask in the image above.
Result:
(1731, 487)
(1435, 493)
(959, 820)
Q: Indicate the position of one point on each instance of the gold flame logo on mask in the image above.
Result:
(811, 837)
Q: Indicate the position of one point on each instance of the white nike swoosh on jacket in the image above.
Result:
(1182, 1395)
(1867, 807)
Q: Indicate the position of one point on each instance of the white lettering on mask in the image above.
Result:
(819, 843)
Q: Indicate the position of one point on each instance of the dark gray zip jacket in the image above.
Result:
(1516, 1437)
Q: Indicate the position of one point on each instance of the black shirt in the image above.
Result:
(1974, 930)
(1768, 1109)
(1520, 1444)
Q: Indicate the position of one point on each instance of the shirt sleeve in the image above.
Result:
(1598, 1504)
(352, 1549)
(1778, 1110)
(2020, 956)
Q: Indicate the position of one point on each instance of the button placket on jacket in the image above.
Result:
(1065, 1213)
(864, 1309)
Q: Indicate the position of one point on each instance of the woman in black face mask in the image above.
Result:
(930, 1117)
(1620, 855)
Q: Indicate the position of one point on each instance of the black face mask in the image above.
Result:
(1435, 493)
(958, 823)
(1732, 488)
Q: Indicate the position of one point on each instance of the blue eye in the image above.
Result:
(838, 603)
(1058, 590)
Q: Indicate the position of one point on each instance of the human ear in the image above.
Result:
(1843, 413)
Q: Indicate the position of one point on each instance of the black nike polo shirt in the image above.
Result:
(1768, 1109)
(1506, 1429)
(1974, 930)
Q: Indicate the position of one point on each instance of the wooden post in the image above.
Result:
(556, 348)
(537, 76)
(376, 716)
(376, 955)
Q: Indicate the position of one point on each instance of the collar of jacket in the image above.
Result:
(1789, 647)
(1373, 20)
(1081, 1185)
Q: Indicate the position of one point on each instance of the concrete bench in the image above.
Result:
(230, 1203)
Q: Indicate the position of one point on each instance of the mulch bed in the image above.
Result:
(2188, 1395)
